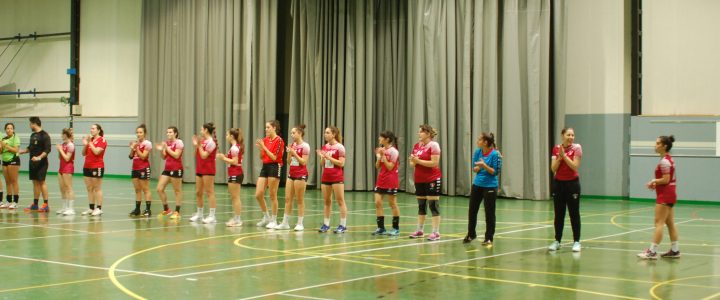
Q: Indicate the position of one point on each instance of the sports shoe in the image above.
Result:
(210, 219)
(282, 226)
(175, 216)
(13, 205)
(271, 225)
(32, 207)
(196, 217)
(647, 254)
(69, 212)
(393, 232)
(417, 234)
(554, 246)
(468, 238)
(44, 208)
(379, 231)
(324, 228)
(671, 254)
(147, 213)
(576, 247)
(61, 211)
(340, 229)
(299, 227)
(4, 205)
(134, 213)
(97, 212)
(487, 243)
(264, 221)
(233, 223)
(433, 236)
(87, 212)
(166, 212)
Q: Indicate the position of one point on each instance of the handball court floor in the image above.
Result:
(117, 257)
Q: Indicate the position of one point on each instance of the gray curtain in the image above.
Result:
(462, 66)
(205, 61)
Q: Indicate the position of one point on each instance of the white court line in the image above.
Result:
(78, 265)
(438, 265)
(309, 257)
(637, 251)
(305, 297)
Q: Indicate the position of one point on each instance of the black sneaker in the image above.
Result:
(671, 254)
(135, 213)
(147, 213)
(468, 238)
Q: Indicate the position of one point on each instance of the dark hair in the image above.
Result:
(68, 132)
(429, 130)
(668, 141)
(565, 129)
(336, 132)
(238, 136)
(210, 127)
(7, 124)
(387, 134)
(300, 128)
(36, 121)
(175, 130)
(489, 138)
(276, 124)
(101, 133)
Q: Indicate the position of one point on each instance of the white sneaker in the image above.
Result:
(209, 220)
(262, 222)
(97, 212)
(576, 247)
(271, 225)
(282, 226)
(87, 212)
(4, 205)
(12, 206)
(299, 227)
(233, 223)
(196, 217)
(554, 246)
(69, 212)
(61, 211)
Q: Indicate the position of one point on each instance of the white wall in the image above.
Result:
(680, 57)
(109, 57)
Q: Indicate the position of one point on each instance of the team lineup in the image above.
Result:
(424, 159)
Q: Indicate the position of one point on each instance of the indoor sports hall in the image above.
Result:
(359, 149)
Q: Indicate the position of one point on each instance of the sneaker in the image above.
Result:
(647, 254)
(487, 243)
(147, 213)
(468, 238)
(379, 231)
(44, 208)
(671, 254)
(175, 216)
(97, 212)
(340, 229)
(282, 226)
(69, 212)
(134, 213)
(417, 234)
(264, 221)
(576, 247)
(166, 212)
(299, 227)
(32, 207)
(209, 220)
(87, 212)
(324, 228)
(393, 232)
(233, 223)
(13, 205)
(196, 217)
(271, 225)
(554, 246)
(4, 205)
(60, 211)
(433, 236)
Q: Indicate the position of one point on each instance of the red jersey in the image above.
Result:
(276, 146)
(425, 152)
(564, 172)
(206, 166)
(388, 179)
(171, 163)
(137, 162)
(67, 167)
(236, 169)
(93, 161)
(331, 172)
(666, 193)
(296, 169)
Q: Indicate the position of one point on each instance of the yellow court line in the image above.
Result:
(597, 241)
(655, 296)
(712, 297)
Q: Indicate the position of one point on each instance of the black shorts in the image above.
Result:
(201, 175)
(270, 170)
(331, 183)
(303, 178)
(670, 205)
(143, 174)
(428, 189)
(38, 169)
(236, 179)
(14, 162)
(173, 174)
(94, 172)
(385, 191)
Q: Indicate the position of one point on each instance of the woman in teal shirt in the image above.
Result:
(11, 166)
(487, 163)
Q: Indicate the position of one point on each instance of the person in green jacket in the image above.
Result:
(11, 166)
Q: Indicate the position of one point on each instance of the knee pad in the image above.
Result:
(435, 208)
(422, 207)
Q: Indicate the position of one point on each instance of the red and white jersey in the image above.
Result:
(564, 172)
(67, 167)
(331, 172)
(296, 169)
(666, 193)
(93, 161)
(137, 162)
(236, 169)
(388, 179)
(425, 152)
(206, 166)
(276, 146)
(171, 163)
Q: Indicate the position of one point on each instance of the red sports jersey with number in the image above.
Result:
(425, 152)
(564, 172)
(296, 169)
(139, 163)
(68, 167)
(206, 166)
(666, 193)
(388, 179)
(236, 169)
(331, 172)
(276, 146)
(171, 163)
(92, 160)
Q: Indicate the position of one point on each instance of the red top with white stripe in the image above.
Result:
(67, 167)
(388, 179)
(92, 160)
(666, 193)
(331, 172)
(276, 146)
(139, 163)
(425, 152)
(296, 169)
(564, 172)
(171, 163)
(236, 169)
(206, 166)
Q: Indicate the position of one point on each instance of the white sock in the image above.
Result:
(274, 219)
(200, 211)
(266, 216)
(212, 212)
(420, 227)
(326, 221)
(653, 247)
(674, 246)
(343, 222)
(300, 220)
(286, 219)
(70, 204)
(237, 218)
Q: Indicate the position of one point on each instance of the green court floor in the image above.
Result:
(117, 257)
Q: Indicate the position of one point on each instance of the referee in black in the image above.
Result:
(39, 149)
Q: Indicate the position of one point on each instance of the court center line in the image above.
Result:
(79, 265)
